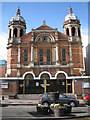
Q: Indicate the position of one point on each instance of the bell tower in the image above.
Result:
(17, 29)
(72, 26)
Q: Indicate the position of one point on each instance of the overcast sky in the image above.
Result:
(35, 13)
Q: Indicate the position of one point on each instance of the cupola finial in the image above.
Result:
(18, 11)
(44, 23)
(70, 10)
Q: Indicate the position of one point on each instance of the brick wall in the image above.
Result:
(12, 89)
(3, 71)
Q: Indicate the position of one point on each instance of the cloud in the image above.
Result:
(3, 45)
(84, 36)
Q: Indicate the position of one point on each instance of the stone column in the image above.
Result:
(70, 56)
(18, 63)
(70, 29)
(57, 57)
(32, 35)
(56, 35)
(12, 32)
(18, 35)
(19, 55)
(76, 31)
(70, 53)
(32, 56)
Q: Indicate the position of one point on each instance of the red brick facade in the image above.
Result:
(65, 55)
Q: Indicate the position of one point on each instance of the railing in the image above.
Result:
(74, 38)
(14, 39)
(44, 63)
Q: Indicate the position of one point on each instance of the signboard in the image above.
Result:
(86, 85)
(4, 85)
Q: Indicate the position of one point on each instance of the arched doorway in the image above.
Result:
(29, 84)
(45, 82)
(26, 85)
(61, 82)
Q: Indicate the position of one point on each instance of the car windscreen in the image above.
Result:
(62, 95)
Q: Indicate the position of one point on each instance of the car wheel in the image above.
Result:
(72, 103)
(46, 104)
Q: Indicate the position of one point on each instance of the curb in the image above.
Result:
(4, 105)
(45, 118)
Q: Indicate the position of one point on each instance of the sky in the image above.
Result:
(35, 13)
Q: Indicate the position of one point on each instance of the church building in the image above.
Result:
(43, 60)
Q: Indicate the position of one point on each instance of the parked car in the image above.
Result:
(63, 99)
(86, 98)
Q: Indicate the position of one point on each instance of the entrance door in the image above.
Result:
(28, 80)
(61, 83)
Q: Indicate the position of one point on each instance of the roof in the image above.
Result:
(62, 36)
(28, 36)
(44, 27)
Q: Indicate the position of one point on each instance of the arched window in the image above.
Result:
(15, 32)
(63, 55)
(21, 32)
(10, 33)
(73, 31)
(41, 55)
(79, 32)
(25, 55)
(48, 55)
(67, 31)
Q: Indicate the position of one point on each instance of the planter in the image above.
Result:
(54, 96)
(68, 110)
(51, 110)
(59, 112)
(43, 110)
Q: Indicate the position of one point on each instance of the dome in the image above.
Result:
(71, 15)
(17, 17)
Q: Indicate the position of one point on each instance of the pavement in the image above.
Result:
(29, 102)
(19, 102)
(77, 112)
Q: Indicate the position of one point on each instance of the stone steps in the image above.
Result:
(28, 96)
(32, 96)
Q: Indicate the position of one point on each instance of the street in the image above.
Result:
(29, 112)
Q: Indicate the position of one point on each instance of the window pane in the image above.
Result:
(48, 55)
(26, 55)
(41, 55)
(63, 55)
(21, 32)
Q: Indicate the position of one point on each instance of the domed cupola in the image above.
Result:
(72, 26)
(17, 28)
(71, 15)
(17, 17)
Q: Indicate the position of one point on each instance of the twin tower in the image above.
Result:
(17, 27)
